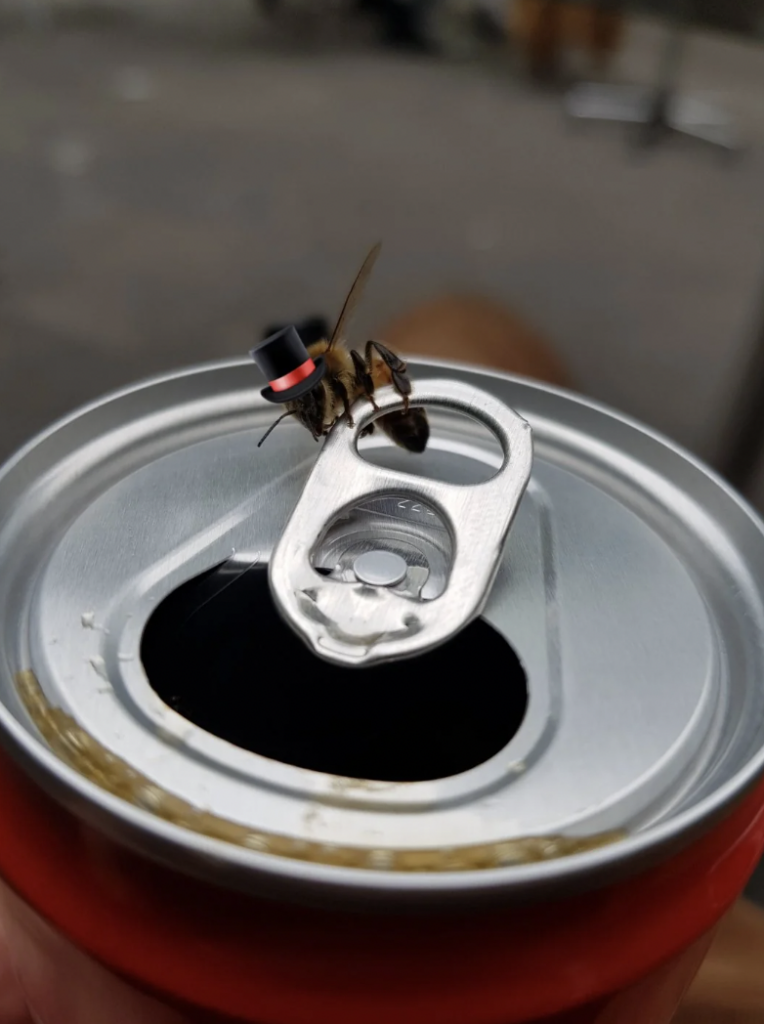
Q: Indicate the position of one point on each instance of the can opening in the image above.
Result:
(461, 450)
(218, 653)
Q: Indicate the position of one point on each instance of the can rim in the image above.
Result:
(110, 811)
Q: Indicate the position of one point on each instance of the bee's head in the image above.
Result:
(309, 410)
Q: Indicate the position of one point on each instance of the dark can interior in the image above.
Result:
(217, 651)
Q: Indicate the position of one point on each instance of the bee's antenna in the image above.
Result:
(273, 426)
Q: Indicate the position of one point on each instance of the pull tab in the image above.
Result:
(362, 621)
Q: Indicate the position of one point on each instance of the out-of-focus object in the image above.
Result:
(133, 84)
(476, 330)
(742, 16)
(743, 463)
(729, 988)
(401, 23)
(38, 14)
(658, 110)
(452, 28)
(465, 28)
(546, 29)
(12, 1002)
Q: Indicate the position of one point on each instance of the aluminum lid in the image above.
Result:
(627, 604)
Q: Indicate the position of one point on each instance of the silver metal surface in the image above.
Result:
(364, 625)
(630, 588)
(410, 529)
(380, 568)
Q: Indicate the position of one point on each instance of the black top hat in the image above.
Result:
(286, 364)
(311, 330)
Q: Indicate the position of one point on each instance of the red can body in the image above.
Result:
(98, 934)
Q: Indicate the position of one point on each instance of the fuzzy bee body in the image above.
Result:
(350, 376)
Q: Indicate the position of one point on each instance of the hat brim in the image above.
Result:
(306, 385)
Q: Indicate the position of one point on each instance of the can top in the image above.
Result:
(607, 704)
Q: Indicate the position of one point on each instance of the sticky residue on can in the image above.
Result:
(79, 750)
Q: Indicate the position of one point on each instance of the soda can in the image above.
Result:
(346, 735)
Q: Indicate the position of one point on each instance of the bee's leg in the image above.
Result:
(367, 430)
(363, 376)
(315, 404)
(342, 392)
(396, 366)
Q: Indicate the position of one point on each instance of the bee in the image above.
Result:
(350, 376)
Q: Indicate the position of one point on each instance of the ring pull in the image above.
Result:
(363, 621)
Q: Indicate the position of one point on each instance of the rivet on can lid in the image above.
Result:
(380, 568)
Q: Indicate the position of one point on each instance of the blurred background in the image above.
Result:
(175, 175)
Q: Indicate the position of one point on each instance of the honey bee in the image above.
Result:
(349, 376)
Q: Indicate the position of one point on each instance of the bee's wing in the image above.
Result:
(354, 295)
